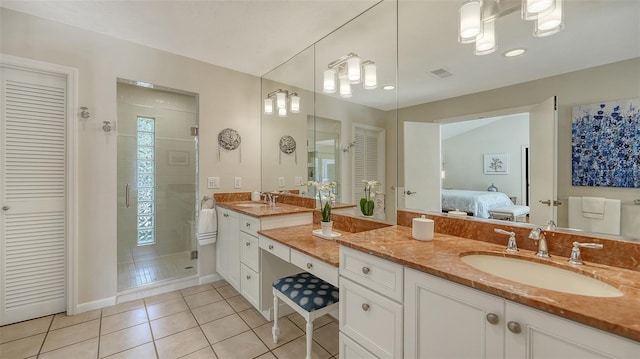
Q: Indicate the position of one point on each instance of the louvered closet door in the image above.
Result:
(32, 181)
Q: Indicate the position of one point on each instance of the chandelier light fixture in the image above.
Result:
(346, 71)
(478, 18)
(282, 97)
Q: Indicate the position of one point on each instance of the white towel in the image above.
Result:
(207, 226)
(593, 207)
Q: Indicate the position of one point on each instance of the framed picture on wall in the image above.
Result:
(178, 158)
(496, 164)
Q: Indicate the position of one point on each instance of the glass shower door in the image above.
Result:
(156, 185)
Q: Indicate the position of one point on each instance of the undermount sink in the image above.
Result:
(541, 275)
(251, 205)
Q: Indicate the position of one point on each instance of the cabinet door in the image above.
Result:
(544, 335)
(228, 247)
(443, 319)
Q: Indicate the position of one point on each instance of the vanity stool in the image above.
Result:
(509, 212)
(308, 295)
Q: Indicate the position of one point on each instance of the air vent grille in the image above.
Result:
(441, 73)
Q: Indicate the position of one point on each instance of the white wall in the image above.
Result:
(227, 99)
(462, 156)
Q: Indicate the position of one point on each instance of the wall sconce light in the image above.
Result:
(478, 17)
(282, 97)
(346, 71)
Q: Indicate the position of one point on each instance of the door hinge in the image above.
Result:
(194, 131)
(555, 103)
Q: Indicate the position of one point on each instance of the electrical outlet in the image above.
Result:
(280, 181)
(298, 181)
(237, 182)
(213, 182)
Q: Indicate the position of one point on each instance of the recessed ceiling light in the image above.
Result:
(514, 52)
(388, 87)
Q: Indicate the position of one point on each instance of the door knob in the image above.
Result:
(514, 327)
(547, 202)
(410, 193)
(5, 208)
(493, 318)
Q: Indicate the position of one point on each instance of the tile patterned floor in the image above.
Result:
(206, 321)
(141, 272)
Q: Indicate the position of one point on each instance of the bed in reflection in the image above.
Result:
(478, 203)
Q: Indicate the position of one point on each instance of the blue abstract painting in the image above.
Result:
(605, 144)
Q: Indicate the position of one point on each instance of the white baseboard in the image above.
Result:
(96, 304)
(210, 278)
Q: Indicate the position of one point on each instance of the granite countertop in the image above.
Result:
(301, 239)
(441, 257)
(255, 210)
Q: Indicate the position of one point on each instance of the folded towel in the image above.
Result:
(207, 226)
(593, 207)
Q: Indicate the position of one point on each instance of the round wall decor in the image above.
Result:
(229, 139)
(287, 144)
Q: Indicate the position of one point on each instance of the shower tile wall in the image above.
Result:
(175, 189)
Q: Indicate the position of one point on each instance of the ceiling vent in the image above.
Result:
(441, 73)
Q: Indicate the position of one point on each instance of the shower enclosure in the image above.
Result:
(157, 172)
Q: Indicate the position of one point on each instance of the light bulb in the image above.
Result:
(281, 100)
(470, 21)
(533, 9)
(551, 23)
(353, 69)
(282, 112)
(370, 81)
(294, 103)
(345, 88)
(487, 43)
(329, 81)
(268, 106)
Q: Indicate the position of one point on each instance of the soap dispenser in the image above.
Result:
(255, 196)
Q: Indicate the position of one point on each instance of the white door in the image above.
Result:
(422, 160)
(32, 194)
(543, 120)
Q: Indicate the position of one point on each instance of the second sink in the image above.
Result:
(541, 275)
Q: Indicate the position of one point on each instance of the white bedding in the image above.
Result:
(477, 202)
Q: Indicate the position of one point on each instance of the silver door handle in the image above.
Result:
(127, 189)
(5, 208)
(410, 193)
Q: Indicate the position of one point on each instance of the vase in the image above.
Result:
(327, 228)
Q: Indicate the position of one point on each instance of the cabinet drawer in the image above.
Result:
(276, 248)
(249, 225)
(352, 350)
(371, 320)
(249, 251)
(250, 285)
(383, 276)
(315, 266)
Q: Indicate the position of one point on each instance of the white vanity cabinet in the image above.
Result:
(243, 259)
(228, 246)
(370, 306)
(443, 319)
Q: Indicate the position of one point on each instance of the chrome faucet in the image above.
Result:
(551, 225)
(267, 197)
(537, 234)
(575, 252)
(512, 247)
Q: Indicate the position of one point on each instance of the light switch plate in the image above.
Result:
(237, 182)
(280, 181)
(213, 182)
(298, 181)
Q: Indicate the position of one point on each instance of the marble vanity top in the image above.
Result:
(441, 257)
(301, 239)
(263, 211)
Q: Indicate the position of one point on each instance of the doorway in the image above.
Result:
(157, 181)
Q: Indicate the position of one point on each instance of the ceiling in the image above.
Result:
(255, 36)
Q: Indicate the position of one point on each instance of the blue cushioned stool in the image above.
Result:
(308, 295)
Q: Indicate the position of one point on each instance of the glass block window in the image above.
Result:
(145, 164)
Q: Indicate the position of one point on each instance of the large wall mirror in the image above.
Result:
(457, 111)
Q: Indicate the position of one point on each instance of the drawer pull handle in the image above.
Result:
(271, 246)
(493, 318)
(309, 265)
(247, 244)
(514, 327)
(248, 277)
(365, 270)
(248, 224)
(226, 215)
(365, 307)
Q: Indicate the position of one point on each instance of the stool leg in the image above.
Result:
(309, 337)
(275, 330)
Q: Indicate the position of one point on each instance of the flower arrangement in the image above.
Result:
(366, 204)
(324, 190)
